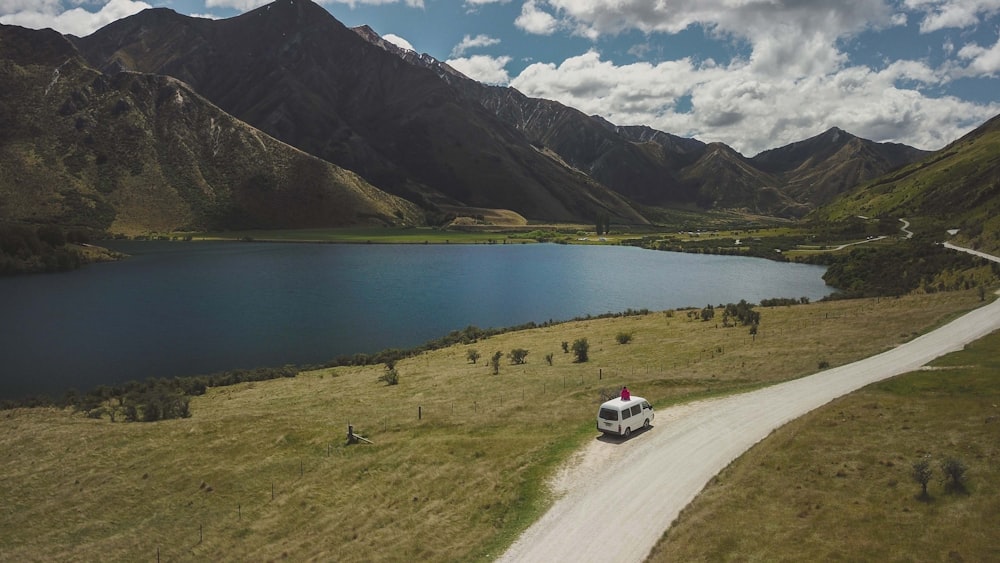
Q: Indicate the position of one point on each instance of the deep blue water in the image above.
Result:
(196, 308)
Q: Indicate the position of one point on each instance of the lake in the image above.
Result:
(196, 308)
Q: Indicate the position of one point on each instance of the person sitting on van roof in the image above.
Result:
(625, 393)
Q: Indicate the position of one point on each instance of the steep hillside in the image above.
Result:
(656, 168)
(956, 187)
(139, 153)
(295, 72)
(818, 169)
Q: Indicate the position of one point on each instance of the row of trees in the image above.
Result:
(517, 356)
(25, 249)
(150, 400)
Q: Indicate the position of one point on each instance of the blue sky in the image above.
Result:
(754, 74)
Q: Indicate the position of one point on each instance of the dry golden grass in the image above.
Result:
(836, 484)
(456, 484)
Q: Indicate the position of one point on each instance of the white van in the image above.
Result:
(622, 417)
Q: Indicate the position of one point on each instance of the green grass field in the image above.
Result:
(460, 458)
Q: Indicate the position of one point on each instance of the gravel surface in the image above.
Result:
(617, 498)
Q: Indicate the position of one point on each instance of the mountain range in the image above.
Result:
(283, 117)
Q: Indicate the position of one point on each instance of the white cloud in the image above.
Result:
(355, 3)
(469, 42)
(247, 5)
(943, 14)
(486, 69)
(398, 41)
(241, 5)
(77, 21)
(535, 21)
(752, 112)
(982, 61)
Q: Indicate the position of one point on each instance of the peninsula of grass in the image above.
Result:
(459, 458)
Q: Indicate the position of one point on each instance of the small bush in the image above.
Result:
(517, 355)
(581, 350)
(624, 337)
(548, 358)
(954, 474)
(472, 355)
(390, 377)
(922, 473)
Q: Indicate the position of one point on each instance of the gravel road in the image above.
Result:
(646, 481)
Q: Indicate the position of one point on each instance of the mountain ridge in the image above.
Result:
(136, 153)
(291, 69)
(624, 157)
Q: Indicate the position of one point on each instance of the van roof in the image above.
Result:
(618, 403)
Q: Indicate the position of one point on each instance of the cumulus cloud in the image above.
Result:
(354, 3)
(736, 105)
(469, 42)
(943, 14)
(77, 21)
(486, 69)
(982, 61)
(247, 5)
(536, 21)
(398, 41)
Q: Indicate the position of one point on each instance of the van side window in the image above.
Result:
(636, 410)
(646, 405)
(626, 413)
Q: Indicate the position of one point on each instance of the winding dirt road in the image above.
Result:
(645, 482)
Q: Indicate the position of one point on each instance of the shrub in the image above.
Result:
(496, 362)
(922, 473)
(954, 474)
(624, 337)
(581, 349)
(390, 377)
(565, 347)
(548, 358)
(517, 355)
(472, 355)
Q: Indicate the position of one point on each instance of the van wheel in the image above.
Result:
(645, 424)
(628, 432)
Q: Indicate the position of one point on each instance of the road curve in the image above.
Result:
(653, 476)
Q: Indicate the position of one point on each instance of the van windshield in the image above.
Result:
(609, 414)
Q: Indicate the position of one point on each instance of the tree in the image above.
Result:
(708, 313)
(581, 348)
(922, 474)
(517, 355)
(472, 355)
(954, 474)
(496, 362)
(548, 358)
(565, 347)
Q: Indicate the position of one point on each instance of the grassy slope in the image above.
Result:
(456, 484)
(956, 187)
(836, 484)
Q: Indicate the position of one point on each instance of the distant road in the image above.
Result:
(906, 228)
(619, 497)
